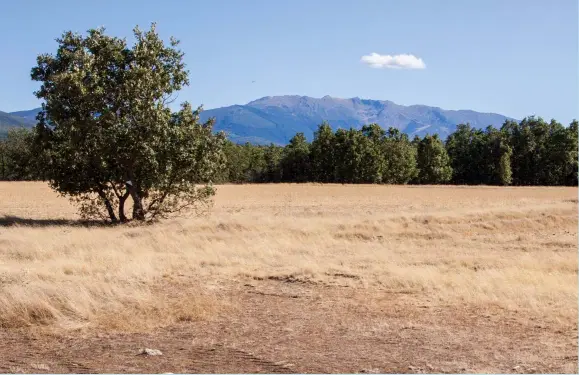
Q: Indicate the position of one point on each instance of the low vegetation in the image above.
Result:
(513, 248)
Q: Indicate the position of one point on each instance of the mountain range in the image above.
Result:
(275, 119)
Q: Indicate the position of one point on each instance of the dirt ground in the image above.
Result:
(374, 280)
(344, 330)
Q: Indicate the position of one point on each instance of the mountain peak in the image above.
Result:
(278, 118)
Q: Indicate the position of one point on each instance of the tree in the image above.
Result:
(272, 157)
(528, 140)
(322, 154)
(560, 159)
(488, 150)
(496, 158)
(464, 148)
(356, 157)
(295, 163)
(572, 160)
(235, 164)
(540, 150)
(256, 162)
(109, 134)
(370, 164)
(433, 161)
(17, 160)
(519, 145)
(399, 158)
(344, 158)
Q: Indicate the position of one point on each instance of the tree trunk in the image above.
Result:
(109, 207)
(138, 212)
(133, 189)
(122, 200)
(3, 166)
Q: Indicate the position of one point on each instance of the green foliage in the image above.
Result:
(488, 150)
(542, 153)
(295, 163)
(348, 156)
(433, 161)
(399, 158)
(571, 161)
(272, 156)
(244, 163)
(322, 154)
(109, 135)
(560, 159)
(505, 174)
(368, 155)
(17, 158)
(357, 158)
(464, 148)
(372, 161)
(496, 159)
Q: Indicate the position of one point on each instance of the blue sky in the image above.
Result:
(514, 57)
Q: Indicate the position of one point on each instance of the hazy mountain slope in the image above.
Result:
(278, 118)
(7, 121)
(28, 115)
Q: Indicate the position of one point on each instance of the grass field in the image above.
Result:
(457, 279)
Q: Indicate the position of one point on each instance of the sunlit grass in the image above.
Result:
(515, 248)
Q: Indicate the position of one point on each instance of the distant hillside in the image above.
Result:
(28, 115)
(278, 118)
(8, 120)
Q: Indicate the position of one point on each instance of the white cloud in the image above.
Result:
(403, 61)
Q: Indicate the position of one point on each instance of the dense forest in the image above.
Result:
(531, 152)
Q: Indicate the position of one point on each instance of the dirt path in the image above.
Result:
(283, 326)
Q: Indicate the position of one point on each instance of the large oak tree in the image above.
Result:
(109, 134)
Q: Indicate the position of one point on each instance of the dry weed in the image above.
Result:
(509, 247)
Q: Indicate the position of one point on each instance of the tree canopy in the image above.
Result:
(372, 155)
(109, 134)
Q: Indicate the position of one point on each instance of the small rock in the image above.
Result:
(429, 366)
(370, 371)
(147, 351)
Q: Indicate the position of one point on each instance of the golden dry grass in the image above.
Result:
(515, 248)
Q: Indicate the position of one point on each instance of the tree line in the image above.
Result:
(530, 152)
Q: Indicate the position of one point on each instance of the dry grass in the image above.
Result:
(512, 248)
